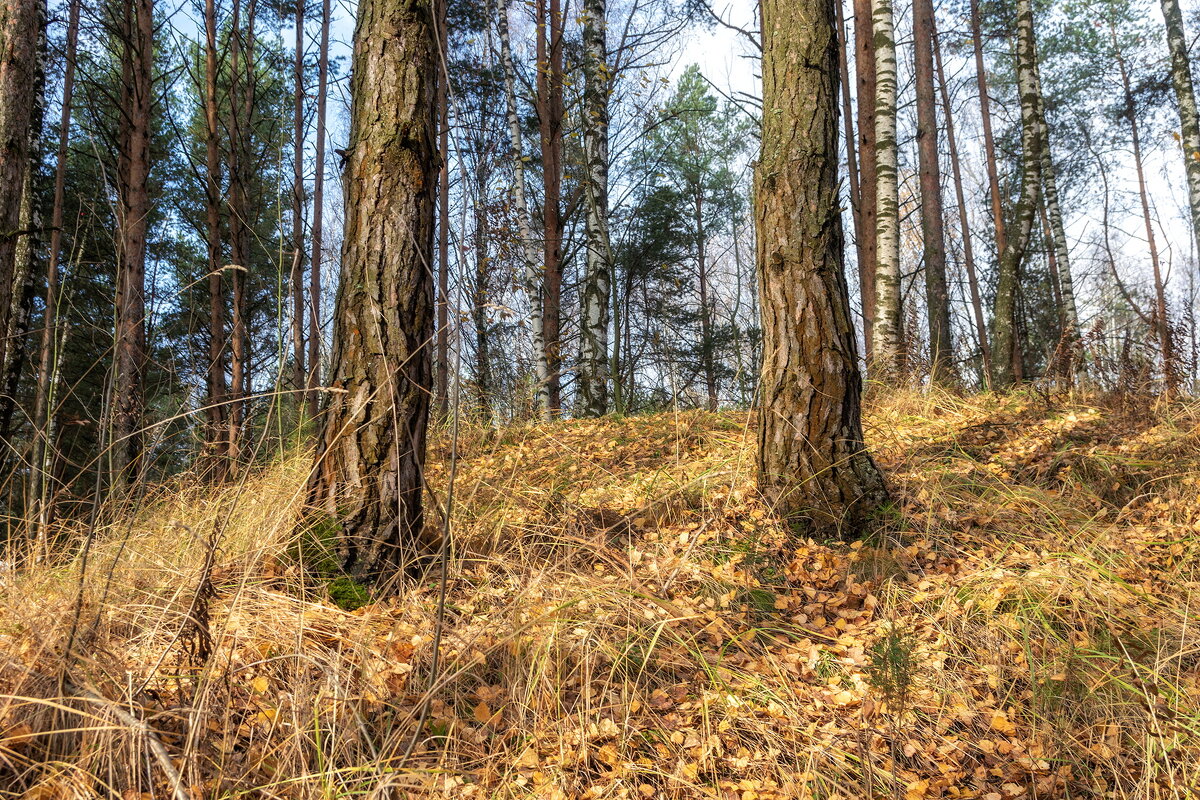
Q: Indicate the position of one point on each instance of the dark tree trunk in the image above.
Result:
(133, 216)
(299, 375)
(216, 412)
(811, 455)
(372, 450)
(550, 125)
(933, 228)
(443, 234)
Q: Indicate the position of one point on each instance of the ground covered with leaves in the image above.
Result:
(625, 618)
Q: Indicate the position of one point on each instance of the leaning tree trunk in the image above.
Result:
(533, 273)
(887, 352)
(372, 450)
(811, 455)
(1004, 329)
(933, 226)
(133, 213)
(864, 68)
(21, 23)
(1189, 118)
(593, 348)
(963, 220)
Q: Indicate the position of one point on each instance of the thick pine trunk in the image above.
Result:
(534, 275)
(372, 450)
(133, 212)
(1004, 329)
(963, 220)
(318, 233)
(811, 455)
(1185, 97)
(887, 351)
(21, 27)
(937, 298)
(41, 467)
(864, 68)
(597, 283)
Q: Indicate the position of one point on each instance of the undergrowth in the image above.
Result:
(625, 618)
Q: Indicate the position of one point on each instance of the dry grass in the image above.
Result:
(626, 619)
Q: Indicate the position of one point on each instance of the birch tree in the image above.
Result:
(1185, 97)
(888, 356)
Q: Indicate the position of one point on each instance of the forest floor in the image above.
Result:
(625, 618)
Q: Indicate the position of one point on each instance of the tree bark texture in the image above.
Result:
(811, 454)
(372, 450)
(864, 68)
(887, 350)
(318, 232)
(1189, 118)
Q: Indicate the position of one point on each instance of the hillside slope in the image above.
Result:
(625, 618)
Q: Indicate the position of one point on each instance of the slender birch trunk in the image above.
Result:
(811, 458)
(318, 233)
(533, 272)
(597, 283)
(848, 126)
(1004, 329)
(963, 219)
(937, 297)
(887, 351)
(40, 461)
(1185, 97)
(864, 69)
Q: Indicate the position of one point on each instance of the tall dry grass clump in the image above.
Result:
(626, 618)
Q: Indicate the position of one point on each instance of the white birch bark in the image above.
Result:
(593, 378)
(1189, 118)
(887, 351)
(529, 249)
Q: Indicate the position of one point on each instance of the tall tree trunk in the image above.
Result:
(864, 68)
(937, 298)
(1162, 322)
(217, 411)
(811, 455)
(707, 355)
(534, 275)
(848, 126)
(989, 141)
(318, 233)
(484, 385)
(133, 218)
(299, 374)
(1189, 118)
(442, 370)
(597, 282)
(1006, 354)
(41, 467)
(887, 352)
(240, 99)
(372, 450)
(550, 125)
(21, 30)
(963, 220)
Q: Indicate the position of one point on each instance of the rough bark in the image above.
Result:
(887, 351)
(133, 213)
(811, 455)
(372, 450)
(550, 127)
(21, 26)
(597, 282)
(38, 501)
(963, 219)
(1004, 329)
(864, 68)
(534, 275)
(933, 228)
(1185, 97)
(318, 232)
